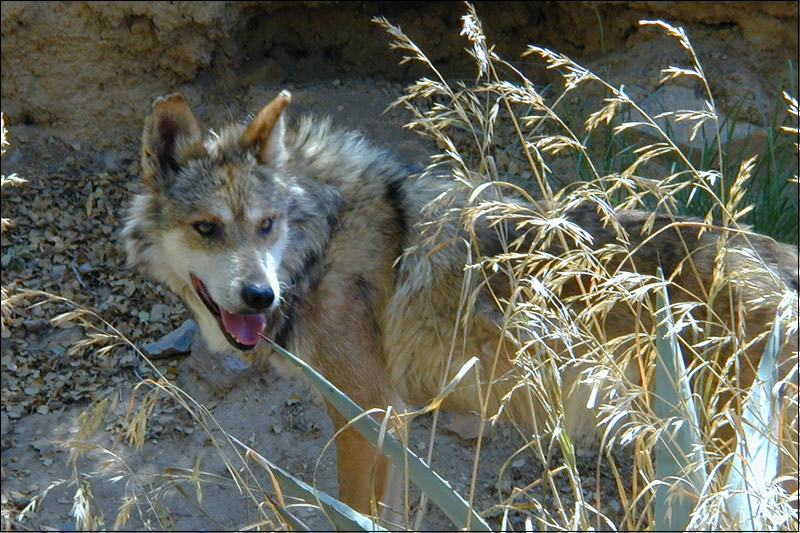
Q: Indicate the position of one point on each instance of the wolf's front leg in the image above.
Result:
(365, 476)
(353, 364)
(341, 328)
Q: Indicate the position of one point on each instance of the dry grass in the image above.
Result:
(471, 125)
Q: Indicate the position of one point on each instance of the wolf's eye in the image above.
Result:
(206, 229)
(266, 225)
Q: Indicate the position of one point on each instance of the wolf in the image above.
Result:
(330, 247)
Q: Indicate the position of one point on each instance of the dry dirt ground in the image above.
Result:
(65, 241)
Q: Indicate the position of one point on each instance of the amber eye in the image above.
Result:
(266, 225)
(206, 229)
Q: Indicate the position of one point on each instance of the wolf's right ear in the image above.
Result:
(171, 137)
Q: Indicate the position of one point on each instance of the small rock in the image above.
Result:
(465, 426)
(174, 343)
(158, 312)
(5, 423)
(35, 324)
(293, 400)
(111, 161)
(58, 271)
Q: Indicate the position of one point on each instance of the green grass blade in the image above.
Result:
(755, 464)
(439, 491)
(342, 516)
(679, 454)
(295, 523)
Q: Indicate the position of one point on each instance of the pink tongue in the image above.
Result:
(244, 328)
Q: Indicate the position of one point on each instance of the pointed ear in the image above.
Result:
(171, 137)
(265, 132)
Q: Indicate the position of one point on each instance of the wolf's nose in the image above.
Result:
(258, 297)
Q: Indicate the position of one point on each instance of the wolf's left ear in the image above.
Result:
(265, 132)
(171, 137)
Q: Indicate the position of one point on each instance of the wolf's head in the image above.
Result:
(212, 221)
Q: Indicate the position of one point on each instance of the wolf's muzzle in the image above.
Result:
(243, 331)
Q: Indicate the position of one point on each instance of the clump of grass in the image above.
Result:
(476, 126)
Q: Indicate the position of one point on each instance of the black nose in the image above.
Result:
(258, 297)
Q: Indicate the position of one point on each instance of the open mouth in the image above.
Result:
(242, 331)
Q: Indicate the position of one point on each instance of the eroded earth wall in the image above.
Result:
(78, 66)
